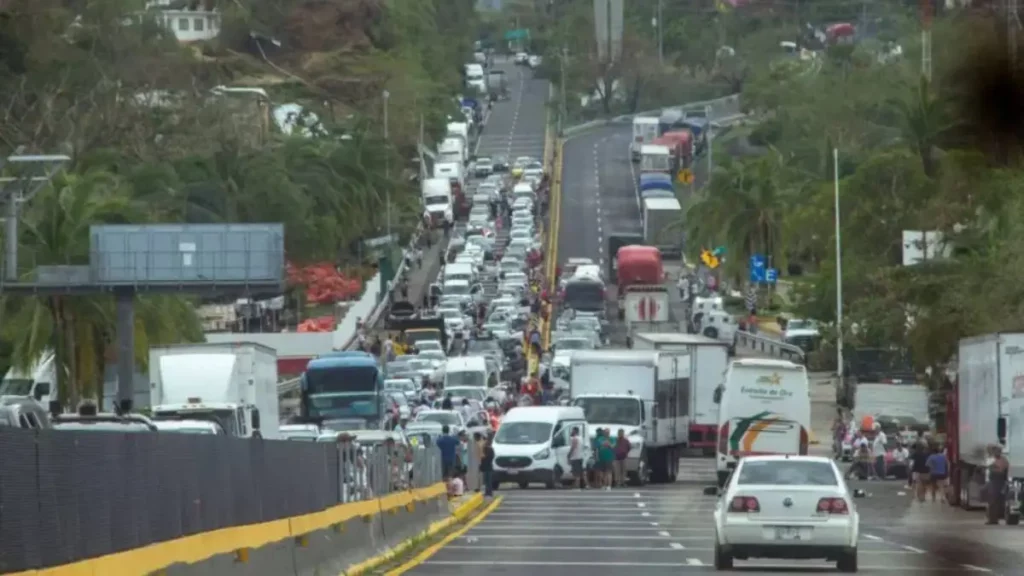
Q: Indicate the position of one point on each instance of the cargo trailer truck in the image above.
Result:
(988, 409)
(709, 359)
(232, 385)
(645, 394)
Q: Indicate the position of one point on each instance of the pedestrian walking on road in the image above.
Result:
(622, 447)
(998, 475)
(576, 458)
(938, 472)
(448, 446)
(605, 459)
(487, 468)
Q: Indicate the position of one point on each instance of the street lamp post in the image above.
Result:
(839, 270)
(707, 132)
(387, 164)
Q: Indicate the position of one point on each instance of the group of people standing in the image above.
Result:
(610, 453)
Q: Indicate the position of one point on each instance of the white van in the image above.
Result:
(532, 445)
(459, 271)
(469, 371)
(765, 408)
(437, 198)
(588, 271)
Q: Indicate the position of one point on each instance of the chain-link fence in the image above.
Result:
(70, 495)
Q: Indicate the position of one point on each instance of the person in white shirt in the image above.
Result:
(878, 451)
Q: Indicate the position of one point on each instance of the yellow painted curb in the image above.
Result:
(429, 552)
(458, 515)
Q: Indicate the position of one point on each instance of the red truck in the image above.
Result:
(637, 265)
(682, 145)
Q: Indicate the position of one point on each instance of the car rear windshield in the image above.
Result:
(788, 473)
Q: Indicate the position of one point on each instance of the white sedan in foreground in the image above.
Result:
(792, 507)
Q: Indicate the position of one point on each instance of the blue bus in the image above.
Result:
(343, 386)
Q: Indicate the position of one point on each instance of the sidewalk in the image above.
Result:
(420, 278)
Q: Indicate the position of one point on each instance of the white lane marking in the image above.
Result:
(645, 513)
(912, 549)
(974, 568)
(571, 537)
(613, 526)
(641, 505)
(694, 562)
(654, 523)
(663, 533)
(873, 537)
(676, 546)
(568, 548)
(636, 494)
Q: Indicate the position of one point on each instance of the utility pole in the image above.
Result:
(29, 175)
(561, 85)
(926, 39)
(658, 23)
(707, 132)
(1012, 24)
(839, 270)
(387, 164)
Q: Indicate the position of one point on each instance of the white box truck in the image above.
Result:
(989, 410)
(642, 393)
(660, 215)
(709, 360)
(232, 385)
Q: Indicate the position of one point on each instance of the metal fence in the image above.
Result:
(69, 495)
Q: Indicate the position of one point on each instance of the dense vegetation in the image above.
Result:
(107, 85)
(940, 156)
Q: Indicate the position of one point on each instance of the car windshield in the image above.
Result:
(523, 433)
(801, 325)
(572, 344)
(472, 393)
(450, 313)
(467, 378)
(482, 346)
(616, 411)
(584, 325)
(434, 200)
(456, 289)
(788, 473)
(443, 418)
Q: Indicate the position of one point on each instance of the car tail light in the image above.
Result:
(723, 439)
(804, 441)
(833, 506)
(744, 505)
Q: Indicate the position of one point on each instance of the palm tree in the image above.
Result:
(744, 208)
(924, 118)
(79, 329)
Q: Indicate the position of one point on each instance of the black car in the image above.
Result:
(499, 164)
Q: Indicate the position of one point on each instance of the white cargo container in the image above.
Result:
(642, 393)
(989, 411)
(233, 385)
(709, 360)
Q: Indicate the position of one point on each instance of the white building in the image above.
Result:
(188, 25)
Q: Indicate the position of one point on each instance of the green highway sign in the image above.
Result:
(520, 34)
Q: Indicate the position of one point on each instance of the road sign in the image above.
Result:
(380, 241)
(757, 268)
(685, 176)
(520, 34)
(709, 259)
(771, 275)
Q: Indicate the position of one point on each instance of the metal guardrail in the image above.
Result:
(770, 347)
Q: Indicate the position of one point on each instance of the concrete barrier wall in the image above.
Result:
(349, 539)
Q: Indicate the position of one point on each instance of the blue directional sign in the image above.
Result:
(757, 269)
(771, 275)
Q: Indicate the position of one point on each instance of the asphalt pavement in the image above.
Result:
(514, 127)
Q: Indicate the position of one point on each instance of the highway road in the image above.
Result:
(514, 127)
(667, 529)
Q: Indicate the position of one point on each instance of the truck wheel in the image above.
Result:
(711, 332)
(965, 489)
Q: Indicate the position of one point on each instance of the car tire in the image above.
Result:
(641, 471)
(723, 559)
(848, 561)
